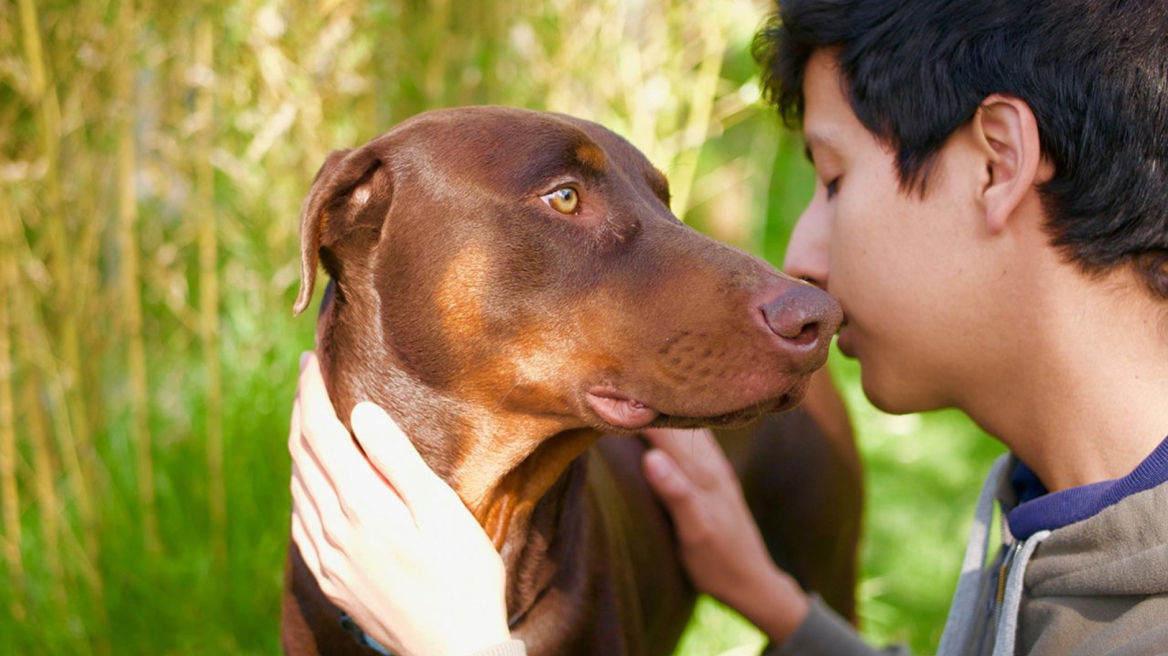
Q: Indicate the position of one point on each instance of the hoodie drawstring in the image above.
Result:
(1007, 629)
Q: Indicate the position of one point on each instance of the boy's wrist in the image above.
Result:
(775, 604)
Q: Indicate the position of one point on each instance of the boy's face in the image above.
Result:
(914, 275)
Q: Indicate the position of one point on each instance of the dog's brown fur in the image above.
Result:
(485, 322)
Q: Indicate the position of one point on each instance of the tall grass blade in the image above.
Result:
(8, 487)
(43, 97)
(48, 503)
(131, 299)
(209, 290)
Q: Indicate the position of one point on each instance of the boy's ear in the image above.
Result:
(1007, 131)
(351, 189)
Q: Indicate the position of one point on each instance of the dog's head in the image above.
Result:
(528, 263)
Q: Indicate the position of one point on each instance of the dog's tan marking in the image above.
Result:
(515, 495)
(592, 156)
(501, 443)
(321, 226)
(519, 398)
(659, 184)
(460, 294)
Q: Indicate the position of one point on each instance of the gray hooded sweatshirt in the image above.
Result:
(1081, 572)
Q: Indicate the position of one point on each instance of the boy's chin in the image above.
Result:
(893, 392)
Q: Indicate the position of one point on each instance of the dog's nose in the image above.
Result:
(804, 318)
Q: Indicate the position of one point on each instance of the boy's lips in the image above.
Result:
(844, 342)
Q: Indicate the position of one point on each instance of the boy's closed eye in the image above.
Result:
(832, 188)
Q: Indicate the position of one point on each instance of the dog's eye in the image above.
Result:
(563, 200)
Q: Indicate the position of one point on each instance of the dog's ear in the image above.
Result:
(350, 190)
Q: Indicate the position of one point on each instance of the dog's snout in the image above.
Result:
(804, 318)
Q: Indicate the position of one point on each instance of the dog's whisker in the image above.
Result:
(504, 397)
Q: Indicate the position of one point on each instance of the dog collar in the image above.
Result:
(361, 637)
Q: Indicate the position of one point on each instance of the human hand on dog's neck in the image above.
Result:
(506, 468)
(500, 462)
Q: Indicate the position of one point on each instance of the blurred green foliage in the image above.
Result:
(153, 161)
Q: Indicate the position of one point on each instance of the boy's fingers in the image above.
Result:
(680, 495)
(334, 470)
(318, 433)
(314, 494)
(317, 413)
(305, 546)
(294, 430)
(392, 453)
(695, 452)
(331, 461)
(303, 532)
(305, 509)
(669, 482)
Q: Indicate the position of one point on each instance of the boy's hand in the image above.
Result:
(720, 544)
(387, 540)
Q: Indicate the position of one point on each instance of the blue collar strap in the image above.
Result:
(360, 636)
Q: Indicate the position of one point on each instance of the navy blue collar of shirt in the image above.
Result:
(1038, 510)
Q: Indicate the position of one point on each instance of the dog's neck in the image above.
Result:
(516, 473)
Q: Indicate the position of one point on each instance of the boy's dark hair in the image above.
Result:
(1094, 72)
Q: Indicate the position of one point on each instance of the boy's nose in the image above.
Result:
(807, 254)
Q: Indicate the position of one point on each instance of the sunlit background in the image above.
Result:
(154, 156)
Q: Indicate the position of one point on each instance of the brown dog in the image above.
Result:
(510, 285)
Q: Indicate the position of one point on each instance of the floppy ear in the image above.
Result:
(350, 190)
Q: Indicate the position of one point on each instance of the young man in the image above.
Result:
(992, 214)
